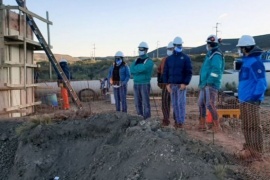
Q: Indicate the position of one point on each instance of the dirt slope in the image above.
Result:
(111, 146)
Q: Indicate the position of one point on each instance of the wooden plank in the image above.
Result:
(14, 64)
(27, 12)
(19, 38)
(19, 85)
(22, 106)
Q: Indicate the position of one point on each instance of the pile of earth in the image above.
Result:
(106, 146)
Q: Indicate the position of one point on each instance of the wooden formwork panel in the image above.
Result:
(17, 69)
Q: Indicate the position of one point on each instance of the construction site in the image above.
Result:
(44, 135)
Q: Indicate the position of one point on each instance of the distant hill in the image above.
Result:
(263, 41)
(38, 57)
(229, 45)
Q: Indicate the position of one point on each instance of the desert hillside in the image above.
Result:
(42, 57)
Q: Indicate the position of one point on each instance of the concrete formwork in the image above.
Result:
(16, 64)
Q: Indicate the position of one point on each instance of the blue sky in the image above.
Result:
(114, 25)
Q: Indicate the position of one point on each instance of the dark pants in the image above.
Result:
(251, 126)
(166, 104)
(120, 96)
(142, 100)
(207, 100)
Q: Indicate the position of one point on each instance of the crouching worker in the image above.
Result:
(64, 92)
(119, 75)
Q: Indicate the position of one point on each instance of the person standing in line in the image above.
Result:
(177, 74)
(165, 98)
(251, 88)
(210, 81)
(141, 70)
(119, 75)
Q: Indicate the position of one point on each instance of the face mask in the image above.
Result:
(141, 53)
(169, 52)
(240, 52)
(178, 49)
(118, 61)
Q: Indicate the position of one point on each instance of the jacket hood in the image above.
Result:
(256, 51)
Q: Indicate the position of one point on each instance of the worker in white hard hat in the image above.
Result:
(177, 75)
(64, 65)
(141, 70)
(210, 82)
(165, 98)
(251, 88)
(119, 75)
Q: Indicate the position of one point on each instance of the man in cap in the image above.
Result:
(210, 82)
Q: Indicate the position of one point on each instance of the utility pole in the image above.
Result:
(157, 49)
(94, 52)
(216, 27)
(49, 43)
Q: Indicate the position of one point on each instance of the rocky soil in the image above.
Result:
(106, 146)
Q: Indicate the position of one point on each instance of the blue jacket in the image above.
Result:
(252, 80)
(124, 73)
(65, 68)
(142, 69)
(177, 69)
(212, 69)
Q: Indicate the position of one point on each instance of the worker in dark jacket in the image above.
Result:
(177, 75)
(64, 65)
(251, 89)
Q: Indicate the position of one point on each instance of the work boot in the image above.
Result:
(178, 126)
(216, 126)
(165, 122)
(202, 125)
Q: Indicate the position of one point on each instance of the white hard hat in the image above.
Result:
(119, 54)
(170, 45)
(212, 39)
(143, 45)
(63, 60)
(246, 40)
(177, 40)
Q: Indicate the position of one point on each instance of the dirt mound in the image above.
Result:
(110, 146)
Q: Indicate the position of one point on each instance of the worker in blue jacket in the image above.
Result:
(210, 82)
(251, 89)
(177, 74)
(119, 75)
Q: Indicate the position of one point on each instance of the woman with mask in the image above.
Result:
(141, 70)
(119, 75)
